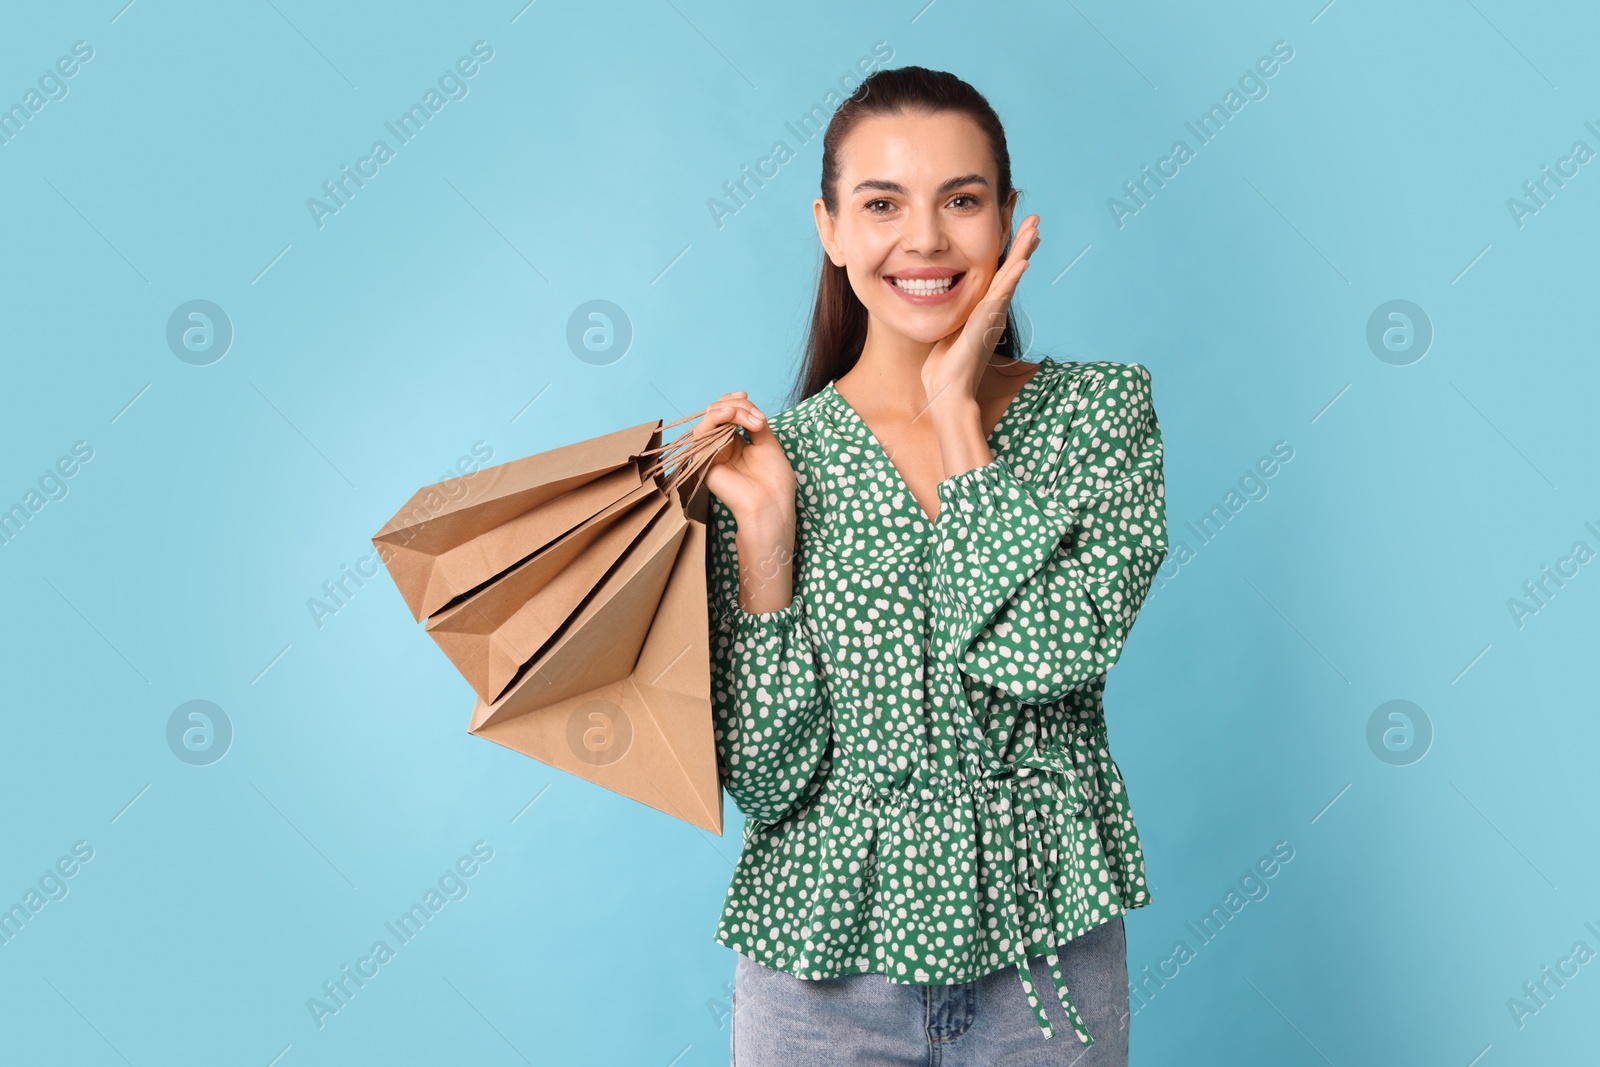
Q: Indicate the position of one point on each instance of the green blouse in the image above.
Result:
(917, 740)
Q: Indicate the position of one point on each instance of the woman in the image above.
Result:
(920, 575)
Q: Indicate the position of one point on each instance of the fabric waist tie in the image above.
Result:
(1020, 831)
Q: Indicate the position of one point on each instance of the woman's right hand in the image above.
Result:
(755, 480)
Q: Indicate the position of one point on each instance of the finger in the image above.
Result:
(732, 401)
(742, 412)
(1033, 238)
(1022, 247)
(1030, 225)
(757, 416)
(1025, 241)
(998, 296)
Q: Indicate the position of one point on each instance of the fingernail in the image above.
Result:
(760, 418)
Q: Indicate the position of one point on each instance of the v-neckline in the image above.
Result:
(1013, 406)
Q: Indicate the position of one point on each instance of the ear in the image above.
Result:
(828, 232)
(1005, 218)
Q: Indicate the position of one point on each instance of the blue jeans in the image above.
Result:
(863, 1019)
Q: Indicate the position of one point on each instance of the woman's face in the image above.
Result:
(920, 228)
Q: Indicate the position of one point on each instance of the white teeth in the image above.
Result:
(924, 286)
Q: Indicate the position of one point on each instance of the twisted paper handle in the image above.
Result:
(686, 455)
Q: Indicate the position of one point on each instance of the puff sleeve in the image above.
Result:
(770, 713)
(1035, 584)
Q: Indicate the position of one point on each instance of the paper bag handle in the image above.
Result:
(686, 455)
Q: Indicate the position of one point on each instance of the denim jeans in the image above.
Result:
(863, 1019)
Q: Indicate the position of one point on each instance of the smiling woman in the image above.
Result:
(920, 574)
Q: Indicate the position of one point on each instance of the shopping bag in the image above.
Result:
(569, 589)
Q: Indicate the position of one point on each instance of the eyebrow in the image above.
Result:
(879, 185)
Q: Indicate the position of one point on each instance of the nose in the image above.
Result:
(922, 230)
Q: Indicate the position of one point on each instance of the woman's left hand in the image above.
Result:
(956, 364)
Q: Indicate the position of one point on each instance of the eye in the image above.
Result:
(872, 210)
(972, 201)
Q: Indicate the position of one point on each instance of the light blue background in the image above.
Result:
(430, 314)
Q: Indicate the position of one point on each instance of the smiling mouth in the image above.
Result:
(926, 286)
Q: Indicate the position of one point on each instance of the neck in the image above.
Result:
(889, 369)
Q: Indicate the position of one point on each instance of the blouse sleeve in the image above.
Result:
(1034, 590)
(769, 708)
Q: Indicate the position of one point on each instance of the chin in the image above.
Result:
(928, 328)
(928, 333)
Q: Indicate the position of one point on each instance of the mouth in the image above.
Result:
(926, 290)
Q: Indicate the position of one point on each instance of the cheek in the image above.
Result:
(867, 250)
(976, 284)
(863, 263)
(864, 280)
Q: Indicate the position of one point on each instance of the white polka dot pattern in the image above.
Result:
(917, 740)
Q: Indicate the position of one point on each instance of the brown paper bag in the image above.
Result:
(569, 589)
(454, 536)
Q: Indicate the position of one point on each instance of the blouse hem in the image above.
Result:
(771, 957)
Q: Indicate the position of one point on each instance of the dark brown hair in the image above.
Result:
(839, 318)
